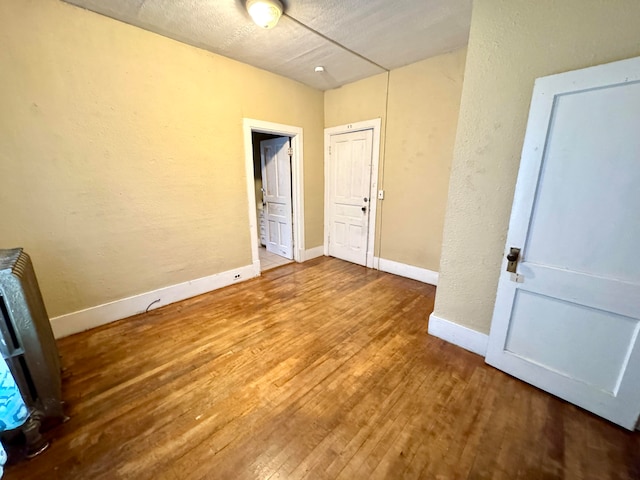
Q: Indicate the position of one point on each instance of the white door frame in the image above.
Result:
(250, 125)
(374, 125)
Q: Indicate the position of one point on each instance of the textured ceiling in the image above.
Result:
(389, 33)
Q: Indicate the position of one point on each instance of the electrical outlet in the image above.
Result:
(236, 276)
(380, 194)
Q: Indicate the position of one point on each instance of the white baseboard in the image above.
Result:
(82, 320)
(313, 253)
(459, 335)
(409, 271)
(256, 268)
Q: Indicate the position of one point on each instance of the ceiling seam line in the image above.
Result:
(338, 44)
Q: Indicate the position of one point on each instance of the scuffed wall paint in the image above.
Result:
(511, 44)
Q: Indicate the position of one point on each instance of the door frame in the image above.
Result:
(250, 125)
(374, 125)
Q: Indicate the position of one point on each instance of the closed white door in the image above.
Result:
(568, 320)
(276, 187)
(350, 179)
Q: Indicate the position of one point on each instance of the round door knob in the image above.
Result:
(364, 209)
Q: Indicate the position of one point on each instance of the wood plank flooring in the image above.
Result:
(322, 370)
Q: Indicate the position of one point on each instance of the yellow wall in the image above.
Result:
(121, 153)
(355, 102)
(424, 100)
(423, 104)
(511, 44)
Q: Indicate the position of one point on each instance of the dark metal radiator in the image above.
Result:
(26, 339)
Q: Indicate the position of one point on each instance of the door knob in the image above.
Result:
(512, 259)
(364, 209)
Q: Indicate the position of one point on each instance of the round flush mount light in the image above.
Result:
(265, 13)
(319, 69)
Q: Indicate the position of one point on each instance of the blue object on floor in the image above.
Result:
(13, 411)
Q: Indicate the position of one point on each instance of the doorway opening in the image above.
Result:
(273, 158)
(272, 177)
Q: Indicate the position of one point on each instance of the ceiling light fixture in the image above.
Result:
(265, 13)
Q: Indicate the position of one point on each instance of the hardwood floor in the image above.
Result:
(319, 370)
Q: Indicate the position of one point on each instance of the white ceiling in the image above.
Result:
(389, 33)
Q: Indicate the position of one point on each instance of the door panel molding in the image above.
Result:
(374, 125)
(250, 125)
(566, 316)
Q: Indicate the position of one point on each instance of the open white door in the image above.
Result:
(568, 320)
(350, 161)
(276, 186)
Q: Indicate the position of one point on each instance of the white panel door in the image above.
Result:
(276, 187)
(350, 177)
(567, 321)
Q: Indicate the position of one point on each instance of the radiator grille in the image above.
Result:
(27, 343)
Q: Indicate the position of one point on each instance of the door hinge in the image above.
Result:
(290, 151)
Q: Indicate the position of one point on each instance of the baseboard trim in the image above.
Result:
(459, 335)
(409, 271)
(82, 320)
(313, 253)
